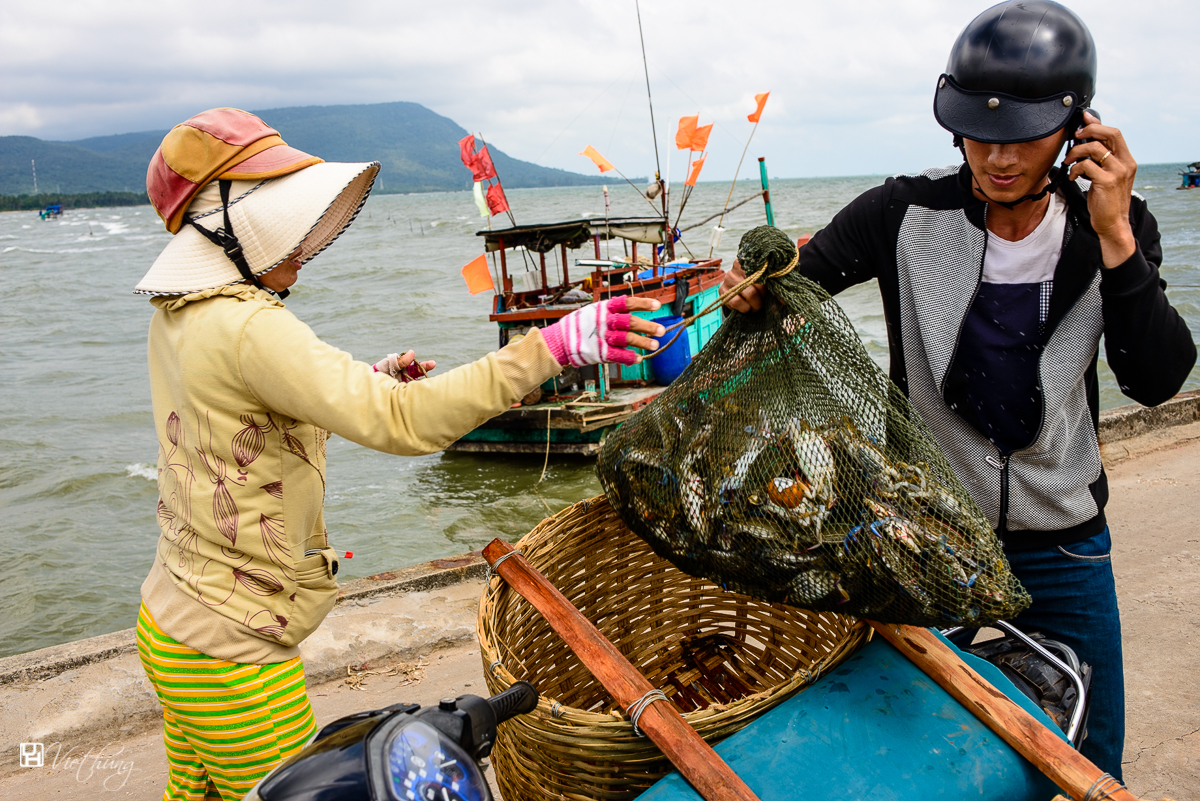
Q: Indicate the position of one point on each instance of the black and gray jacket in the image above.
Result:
(923, 237)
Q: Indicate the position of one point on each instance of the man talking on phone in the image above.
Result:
(999, 278)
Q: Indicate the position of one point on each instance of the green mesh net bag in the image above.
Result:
(785, 465)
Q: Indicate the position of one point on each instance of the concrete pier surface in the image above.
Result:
(409, 635)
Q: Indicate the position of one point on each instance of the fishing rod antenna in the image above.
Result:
(666, 213)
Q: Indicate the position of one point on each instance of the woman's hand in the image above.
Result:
(404, 368)
(752, 298)
(1109, 165)
(603, 332)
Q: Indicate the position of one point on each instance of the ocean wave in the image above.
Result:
(139, 470)
(55, 252)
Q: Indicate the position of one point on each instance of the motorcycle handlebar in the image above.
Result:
(518, 699)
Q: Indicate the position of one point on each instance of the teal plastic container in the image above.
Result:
(877, 728)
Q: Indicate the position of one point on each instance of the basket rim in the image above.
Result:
(552, 710)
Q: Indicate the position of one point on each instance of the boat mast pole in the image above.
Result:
(666, 214)
(734, 184)
(511, 218)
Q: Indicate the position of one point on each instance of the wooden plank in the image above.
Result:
(532, 423)
(606, 423)
(706, 277)
(1049, 753)
(577, 448)
(694, 758)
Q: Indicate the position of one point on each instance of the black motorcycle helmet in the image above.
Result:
(1018, 72)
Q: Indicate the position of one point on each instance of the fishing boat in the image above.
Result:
(1191, 176)
(573, 412)
(543, 277)
(50, 212)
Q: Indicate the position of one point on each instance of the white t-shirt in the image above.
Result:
(1030, 260)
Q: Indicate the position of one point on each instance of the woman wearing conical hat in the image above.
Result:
(244, 397)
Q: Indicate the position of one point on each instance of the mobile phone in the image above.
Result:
(1077, 123)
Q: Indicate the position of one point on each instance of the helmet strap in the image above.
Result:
(1056, 181)
(227, 241)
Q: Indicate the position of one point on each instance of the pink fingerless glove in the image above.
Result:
(391, 366)
(594, 334)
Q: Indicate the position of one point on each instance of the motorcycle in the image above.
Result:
(406, 752)
(1048, 672)
(402, 752)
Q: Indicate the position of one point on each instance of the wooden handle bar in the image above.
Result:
(1053, 756)
(693, 757)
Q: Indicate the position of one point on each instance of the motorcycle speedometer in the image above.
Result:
(424, 765)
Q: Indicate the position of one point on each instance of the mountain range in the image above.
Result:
(417, 148)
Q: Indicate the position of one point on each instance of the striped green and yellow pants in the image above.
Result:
(225, 725)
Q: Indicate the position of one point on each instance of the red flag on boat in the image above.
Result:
(700, 138)
(695, 173)
(478, 276)
(687, 130)
(466, 149)
(484, 169)
(479, 163)
(497, 202)
(604, 164)
(761, 100)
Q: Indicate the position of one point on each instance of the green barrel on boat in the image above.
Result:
(876, 728)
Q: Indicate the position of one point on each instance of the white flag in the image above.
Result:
(480, 202)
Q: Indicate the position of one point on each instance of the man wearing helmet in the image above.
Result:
(999, 277)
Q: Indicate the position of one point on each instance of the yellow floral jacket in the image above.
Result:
(244, 397)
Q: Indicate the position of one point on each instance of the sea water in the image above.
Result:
(77, 446)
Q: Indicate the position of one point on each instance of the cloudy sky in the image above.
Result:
(851, 82)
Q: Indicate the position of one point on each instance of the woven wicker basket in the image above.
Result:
(723, 659)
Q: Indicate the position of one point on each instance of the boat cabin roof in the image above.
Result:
(544, 237)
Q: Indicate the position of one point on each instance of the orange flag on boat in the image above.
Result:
(695, 173)
(761, 100)
(604, 164)
(478, 276)
(700, 138)
(687, 130)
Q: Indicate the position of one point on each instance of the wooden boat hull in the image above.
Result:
(566, 426)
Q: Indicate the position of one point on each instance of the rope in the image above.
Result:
(1102, 788)
(491, 571)
(750, 280)
(546, 463)
(636, 709)
(712, 217)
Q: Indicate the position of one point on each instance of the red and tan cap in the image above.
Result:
(221, 143)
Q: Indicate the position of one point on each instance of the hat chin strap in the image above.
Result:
(1056, 181)
(227, 241)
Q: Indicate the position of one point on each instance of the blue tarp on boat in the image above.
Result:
(876, 728)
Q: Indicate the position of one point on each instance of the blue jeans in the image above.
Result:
(1075, 602)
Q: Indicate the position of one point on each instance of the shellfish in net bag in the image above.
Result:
(784, 464)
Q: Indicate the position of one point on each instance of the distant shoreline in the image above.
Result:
(82, 200)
